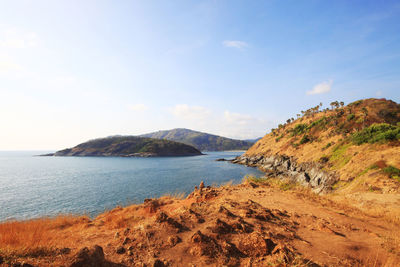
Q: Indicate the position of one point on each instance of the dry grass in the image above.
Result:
(281, 183)
(328, 200)
(118, 217)
(381, 212)
(347, 205)
(227, 184)
(373, 261)
(35, 237)
(176, 195)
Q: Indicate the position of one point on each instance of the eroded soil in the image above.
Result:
(241, 225)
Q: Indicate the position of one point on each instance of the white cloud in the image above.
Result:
(7, 66)
(186, 112)
(13, 38)
(228, 124)
(138, 107)
(379, 93)
(235, 44)
(321, 88)
(237, 118)
(243, 126)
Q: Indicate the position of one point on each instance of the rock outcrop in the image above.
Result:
(92, 257)
(308, 174)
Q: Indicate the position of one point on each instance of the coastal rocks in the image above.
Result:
(120, 250)
(281, 166)
(92, 257)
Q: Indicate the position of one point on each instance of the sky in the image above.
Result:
(75, 70)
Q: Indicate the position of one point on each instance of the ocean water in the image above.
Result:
(32, 187)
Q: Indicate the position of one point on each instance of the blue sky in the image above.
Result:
(76, 70)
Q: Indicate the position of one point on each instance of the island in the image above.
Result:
(202, 141)
(128, 146)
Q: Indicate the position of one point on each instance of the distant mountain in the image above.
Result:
(129, 146)
(253, 140)
(202, 141)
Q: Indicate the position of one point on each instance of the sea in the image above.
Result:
(33, 186)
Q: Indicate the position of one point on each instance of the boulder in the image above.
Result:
(89, 257)
(254, 245)
(120, 250)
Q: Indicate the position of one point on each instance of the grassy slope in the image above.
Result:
(202, 141)
(125, 145)
(336, 138)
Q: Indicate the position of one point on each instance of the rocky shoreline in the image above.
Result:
(308, 174)
(133, 155)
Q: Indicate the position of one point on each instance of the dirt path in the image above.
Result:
(329, 234)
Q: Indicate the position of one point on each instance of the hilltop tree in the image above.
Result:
(334, 104)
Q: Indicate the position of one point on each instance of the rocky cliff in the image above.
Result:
(308, 174)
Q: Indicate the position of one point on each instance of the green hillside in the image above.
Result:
(129, 146)
(202, 141)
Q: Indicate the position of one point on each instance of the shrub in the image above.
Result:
(377, 132)
(323, 159)
(360, 120)
(339, 113)
(278, 138)
(339, 156)
(350, 116)
(305, 139)
(392, 172)
(285, 186)
(356, 103)
(318, 123)
(328, 145)
(372, 167)
(251, 178)
(299, 129)
(388, 116)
